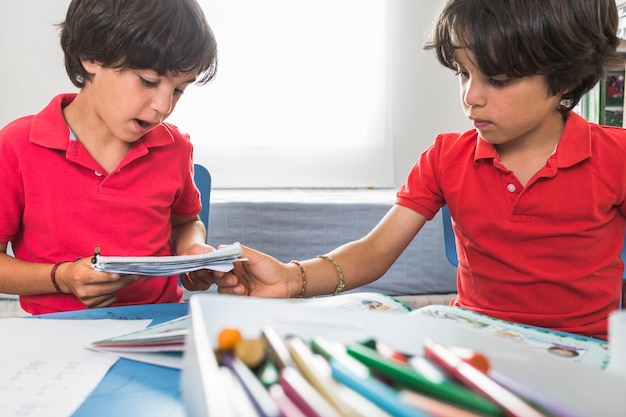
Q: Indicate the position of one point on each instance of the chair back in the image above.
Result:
(448, 237)
(202, 178)
(624, 258)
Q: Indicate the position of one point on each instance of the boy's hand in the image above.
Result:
(202, 279)
(260, 275)
(93, 288)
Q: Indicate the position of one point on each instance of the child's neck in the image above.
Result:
(525, 157)
(526, 164)
(105, 150)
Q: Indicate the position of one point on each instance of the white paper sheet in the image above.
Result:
(45, 368)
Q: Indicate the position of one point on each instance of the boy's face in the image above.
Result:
(507, 109)
(130, 103)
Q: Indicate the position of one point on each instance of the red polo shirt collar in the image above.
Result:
(574, 145)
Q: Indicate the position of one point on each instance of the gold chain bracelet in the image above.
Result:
(342, 283)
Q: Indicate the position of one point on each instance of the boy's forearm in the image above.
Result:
(185, 235)
(23, 278)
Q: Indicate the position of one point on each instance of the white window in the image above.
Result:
(301, 97)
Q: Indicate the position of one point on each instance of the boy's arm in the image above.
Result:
(23, 278)
(93, 288)
(188, 238)
(367, 259)
(361, 262)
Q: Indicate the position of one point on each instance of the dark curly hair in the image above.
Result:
(571, 42)
(167, 36)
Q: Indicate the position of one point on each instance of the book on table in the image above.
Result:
(170, 336)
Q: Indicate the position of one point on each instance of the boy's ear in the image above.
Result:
(90, 66)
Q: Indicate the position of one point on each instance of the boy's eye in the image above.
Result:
(499, 82)
(148, 83)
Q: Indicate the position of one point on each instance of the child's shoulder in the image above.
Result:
(611, 138)
(577, 124)
(456, 142)
(613, 131)
(49, 121)
(457, 137)
(167, 133)
(18, 128)
(174, 131)
(172, 128)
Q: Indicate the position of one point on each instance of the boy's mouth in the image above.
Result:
(142, 123)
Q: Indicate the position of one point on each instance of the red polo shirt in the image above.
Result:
(547, 254)
(58, 204)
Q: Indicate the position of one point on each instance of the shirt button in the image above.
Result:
(98, 174)
(511, 188)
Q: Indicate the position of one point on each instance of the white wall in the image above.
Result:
(32, 69)
(424, 95)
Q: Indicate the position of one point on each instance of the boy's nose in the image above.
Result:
(471, 94)
(164, 103)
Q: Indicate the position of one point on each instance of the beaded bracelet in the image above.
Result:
(53, 276)
(342, 283)
(303, 273)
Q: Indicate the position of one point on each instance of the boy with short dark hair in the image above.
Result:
(101, 167)
(536, 193)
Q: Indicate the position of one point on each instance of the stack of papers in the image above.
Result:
(163, 337)
(160, 266)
